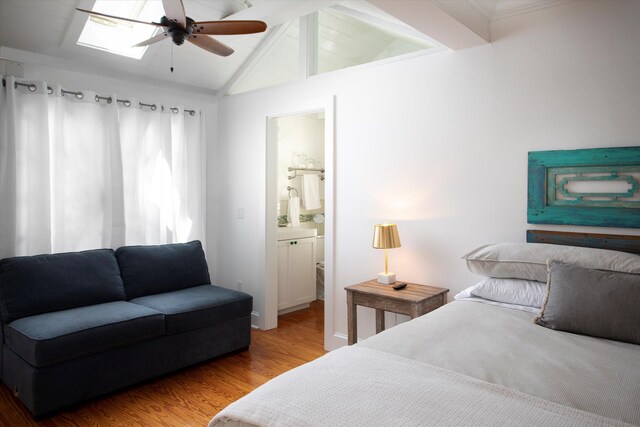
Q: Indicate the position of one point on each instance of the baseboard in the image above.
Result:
(255, 320)
(337, 340)
(292, 309)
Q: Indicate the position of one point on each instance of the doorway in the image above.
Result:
(314, 113)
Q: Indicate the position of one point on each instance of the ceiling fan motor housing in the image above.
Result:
(176, 31)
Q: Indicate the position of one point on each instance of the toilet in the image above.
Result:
(320, 268)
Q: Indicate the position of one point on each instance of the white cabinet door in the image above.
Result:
(296, 272)
(302, 270)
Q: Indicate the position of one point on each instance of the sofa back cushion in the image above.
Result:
(38, 284)
(149, 270)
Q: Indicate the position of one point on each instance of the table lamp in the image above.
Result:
(385, 236)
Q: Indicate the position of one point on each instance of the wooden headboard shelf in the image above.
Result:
(614, 242)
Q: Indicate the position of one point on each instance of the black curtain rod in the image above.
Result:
(32, 88)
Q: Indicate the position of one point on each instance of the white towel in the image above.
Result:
(311, 191)
(293, 211)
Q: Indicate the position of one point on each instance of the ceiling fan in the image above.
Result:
(179, 27)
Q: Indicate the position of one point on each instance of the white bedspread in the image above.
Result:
(503, 346)
(359, 386)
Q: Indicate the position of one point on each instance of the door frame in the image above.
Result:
(318, 105)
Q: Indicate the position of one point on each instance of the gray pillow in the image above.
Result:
(602, 304)
(528, 261)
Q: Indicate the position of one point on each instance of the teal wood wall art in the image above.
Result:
(596, 187)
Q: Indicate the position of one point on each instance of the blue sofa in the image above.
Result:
(76, 325)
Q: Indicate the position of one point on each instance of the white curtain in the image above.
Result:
(78, 174)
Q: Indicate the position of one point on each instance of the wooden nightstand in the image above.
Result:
(414, 300)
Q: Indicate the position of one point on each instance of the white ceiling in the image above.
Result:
(51, 28)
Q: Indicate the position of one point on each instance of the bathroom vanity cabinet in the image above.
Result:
(296, 273)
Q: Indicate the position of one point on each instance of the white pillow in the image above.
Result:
(529, 260)
(512, 291)
(466, 296)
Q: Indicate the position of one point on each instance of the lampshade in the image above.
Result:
(385, 236)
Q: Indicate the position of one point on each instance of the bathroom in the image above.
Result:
(301, 211)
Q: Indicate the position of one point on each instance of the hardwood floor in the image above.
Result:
(191, 397)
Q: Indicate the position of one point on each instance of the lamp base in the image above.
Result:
(386, 278)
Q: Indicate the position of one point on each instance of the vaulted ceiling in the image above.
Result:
(47, 31)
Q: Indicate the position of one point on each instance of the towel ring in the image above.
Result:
(289, 189)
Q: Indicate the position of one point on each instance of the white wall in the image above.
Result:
(438, 144)
(53, 73)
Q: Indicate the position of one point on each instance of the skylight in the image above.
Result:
(117, 36)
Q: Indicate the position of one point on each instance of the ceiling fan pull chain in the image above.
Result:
(172, 58)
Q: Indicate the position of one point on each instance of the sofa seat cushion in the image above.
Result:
(50, 338)
(197, 307)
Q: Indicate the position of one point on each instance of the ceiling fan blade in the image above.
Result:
(174, 10)
(154, 39)
(220, 28)
(211, 44)
(91, 12)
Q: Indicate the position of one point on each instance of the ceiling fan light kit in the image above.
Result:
(177, 32)
(177, 26)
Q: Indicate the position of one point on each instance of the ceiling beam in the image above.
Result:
(400, 28)
(277, 12)
(430, 18)
(469, 15)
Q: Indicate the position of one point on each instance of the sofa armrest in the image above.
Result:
(1, 350)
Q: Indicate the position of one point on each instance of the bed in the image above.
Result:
(490, 357)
